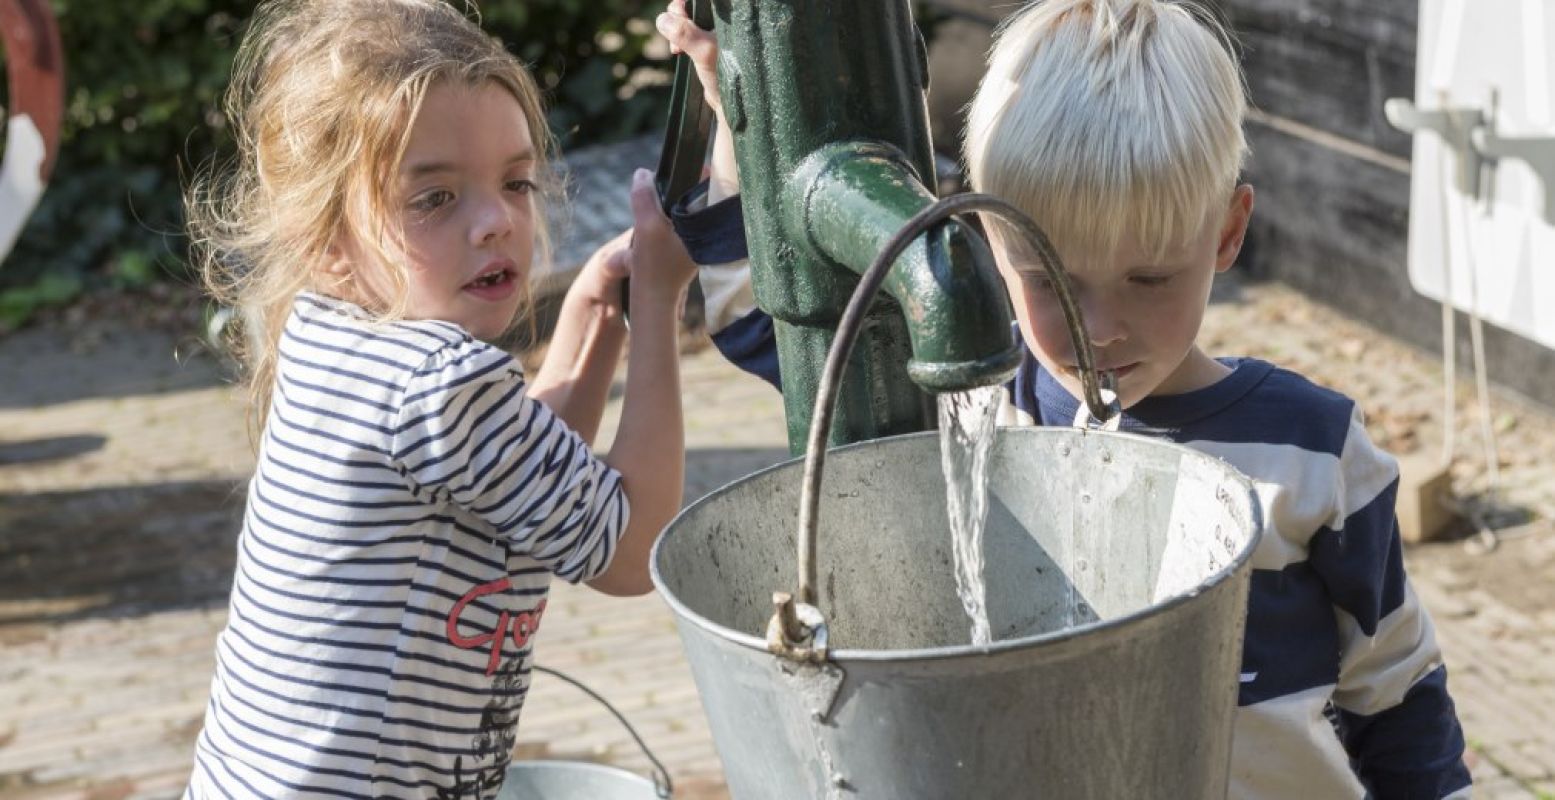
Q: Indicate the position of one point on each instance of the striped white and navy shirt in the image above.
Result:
(1343, 690)
(409, 508)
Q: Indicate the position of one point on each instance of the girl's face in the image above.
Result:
(466, 204)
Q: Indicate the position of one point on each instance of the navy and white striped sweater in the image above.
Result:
(1343, 691)
(410, 506)
(1331, 618)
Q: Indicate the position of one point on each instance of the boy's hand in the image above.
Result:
(684, 36)
(701, 47)
(661, 269)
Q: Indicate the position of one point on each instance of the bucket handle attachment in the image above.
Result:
(797, 630)
(662, 786)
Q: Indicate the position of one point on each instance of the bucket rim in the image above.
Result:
(575, 766)
(945, 652)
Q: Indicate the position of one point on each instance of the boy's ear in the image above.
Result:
(1234, 230)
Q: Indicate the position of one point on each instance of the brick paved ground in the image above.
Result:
(119, 472)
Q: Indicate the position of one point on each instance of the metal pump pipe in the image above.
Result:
(826, 99)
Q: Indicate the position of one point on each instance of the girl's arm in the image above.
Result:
(574, 379)
(649, 449)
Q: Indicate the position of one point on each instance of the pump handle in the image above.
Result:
(686, 133)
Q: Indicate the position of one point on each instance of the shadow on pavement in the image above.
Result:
(116, 552)
(54, 366)
(43, 451)
(710, 468)
(129, 551)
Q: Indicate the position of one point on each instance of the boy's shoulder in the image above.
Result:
(1285, 385)
(1285, 407)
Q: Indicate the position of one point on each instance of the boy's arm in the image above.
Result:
(715, 236)
(1396, 719)
(711, 222)
(581, 359)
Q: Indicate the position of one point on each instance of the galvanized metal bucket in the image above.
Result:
(581, 780)
(573, 780)
(1117, 574)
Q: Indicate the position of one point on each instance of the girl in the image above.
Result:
(414, 493)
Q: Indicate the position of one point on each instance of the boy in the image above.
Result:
(1117, 125)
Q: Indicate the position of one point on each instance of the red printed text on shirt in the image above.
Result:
(522, 625)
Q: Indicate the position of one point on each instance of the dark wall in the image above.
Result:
(1333, 177)
(1329, 64)
(1332, 215)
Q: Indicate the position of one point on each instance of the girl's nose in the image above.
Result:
(494, 221)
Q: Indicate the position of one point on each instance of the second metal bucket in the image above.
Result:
(1117, 576)
(574, 780)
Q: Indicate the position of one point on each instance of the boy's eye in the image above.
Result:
(521, 185)
(1039, 281)
(431, 201)
(1150, 281)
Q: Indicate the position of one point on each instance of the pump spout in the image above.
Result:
(847, 200)
(826, 101)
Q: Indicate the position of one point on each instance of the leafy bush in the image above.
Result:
(144, 84)
(145, 80)
(142, 79)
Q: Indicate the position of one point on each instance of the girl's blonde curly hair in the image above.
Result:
(322, 100)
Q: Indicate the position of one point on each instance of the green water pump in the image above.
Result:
(826, 99)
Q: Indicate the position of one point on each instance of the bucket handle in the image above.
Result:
(797, 629)
(662, 786)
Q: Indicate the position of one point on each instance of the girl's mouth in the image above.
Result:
(495, 284)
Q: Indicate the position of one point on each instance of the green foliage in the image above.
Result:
(141, 79)
(19, 303)
(590, 57)
(145, 80)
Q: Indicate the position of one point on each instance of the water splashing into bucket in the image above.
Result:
(1142, 687)
(966, 426)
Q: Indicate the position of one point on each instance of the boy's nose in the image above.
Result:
(1103, 325)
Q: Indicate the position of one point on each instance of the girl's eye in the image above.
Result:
(521, 185)
(431, 201)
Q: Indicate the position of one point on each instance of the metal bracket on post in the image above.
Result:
(1455, 126)
(1537, 151)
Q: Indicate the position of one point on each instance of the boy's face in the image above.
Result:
(466, 207)
(1142, 313)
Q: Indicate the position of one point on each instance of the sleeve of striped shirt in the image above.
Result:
(469, 434)
(1397, 720)
(715, 237)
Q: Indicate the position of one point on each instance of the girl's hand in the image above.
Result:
(598, 284)
(661, 268)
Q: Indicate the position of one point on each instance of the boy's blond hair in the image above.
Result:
(322, 101)
(1101, 118)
